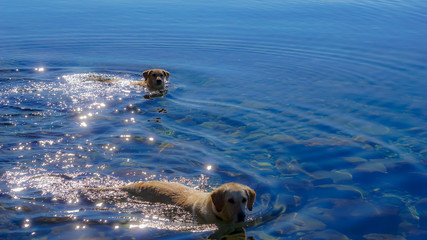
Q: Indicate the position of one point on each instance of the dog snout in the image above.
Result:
(241, 217)
(159, 82)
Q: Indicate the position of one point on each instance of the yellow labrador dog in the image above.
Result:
(226, 204)
(154, 79)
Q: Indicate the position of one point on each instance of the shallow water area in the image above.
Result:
(317, 106)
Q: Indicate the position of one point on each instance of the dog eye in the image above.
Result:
(243, 200)
(231, 200)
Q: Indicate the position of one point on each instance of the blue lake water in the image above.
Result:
(319, 106)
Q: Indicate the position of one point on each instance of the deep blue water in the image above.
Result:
(319, 106)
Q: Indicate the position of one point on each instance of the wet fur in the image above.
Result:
(154, 79)
(226, 204)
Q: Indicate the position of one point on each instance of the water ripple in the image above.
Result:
(319, 106)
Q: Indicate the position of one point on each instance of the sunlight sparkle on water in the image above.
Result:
(27, 223)
(126, 137)
(141, 226)
(73, 211)
(78, 227)
(18, 189)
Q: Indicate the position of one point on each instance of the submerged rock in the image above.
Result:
(218, 127)
(421, 206)
(324, 235)
(262, 166)
(339, 191)
(355, 159)
(379, 236)
(335, 175)
(358, 216)
(371, 167)
(369, 127)
(302, 222)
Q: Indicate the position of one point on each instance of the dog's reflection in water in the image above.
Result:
(230, 233)
(155, 94)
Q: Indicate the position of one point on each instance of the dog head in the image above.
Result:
(155, 78)
(230, 200)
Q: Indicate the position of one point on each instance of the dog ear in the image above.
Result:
(166, 73)
(217, 197)
(251, 195)
(146, 74)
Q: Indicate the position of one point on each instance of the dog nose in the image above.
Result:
(159, 82)
(241, 217)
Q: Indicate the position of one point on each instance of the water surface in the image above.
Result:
(319, 106)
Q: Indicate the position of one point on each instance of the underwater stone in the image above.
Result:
(253, 126)
(298, 184)
(334, 175)
(421, 206)
(218, 126)
(262, 166)
(370, 128)
(405, 227)
(187, 120)
(379, 236)
(326, 235)
(322, 181)
(303, 222)
(265, 200)
(414, 182)
(284, 138)
(238, 134)
(128, 164)
(342, 213)
(371, 167)
(423, 220)
(255, 136)
(338, 191)
(282, 200)
(355, 159)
